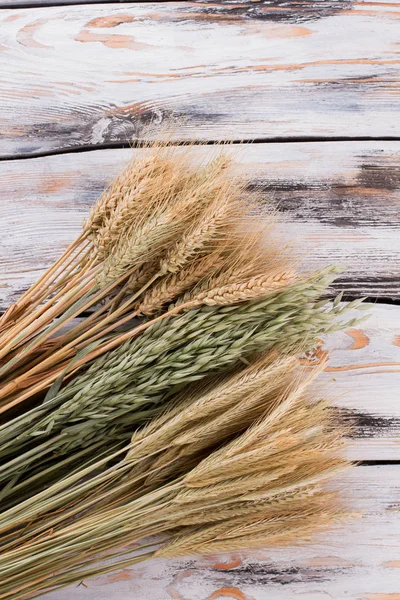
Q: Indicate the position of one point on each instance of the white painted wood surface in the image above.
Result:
(87, 75)
(363, 380)
(359, 561)
(341, 203)
(93, 74)
(29, 3)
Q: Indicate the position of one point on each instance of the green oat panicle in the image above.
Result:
(120, 387)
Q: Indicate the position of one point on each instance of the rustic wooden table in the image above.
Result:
(316, 86)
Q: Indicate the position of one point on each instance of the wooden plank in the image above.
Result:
(337, 213)
(363, 379)
(340, 202)
(33, 3)
(99, 74)
(279, 5)
(359, 561)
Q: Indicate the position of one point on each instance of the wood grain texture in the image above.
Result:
(90, 75)
(360, 561)
(35, 3)
(340, 203)
(287, 7)
(363, 379)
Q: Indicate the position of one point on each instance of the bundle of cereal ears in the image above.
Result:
(196, 424)
(167, 228)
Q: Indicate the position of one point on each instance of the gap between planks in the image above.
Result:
(377, 463)
(137, 144)
(50, 3)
